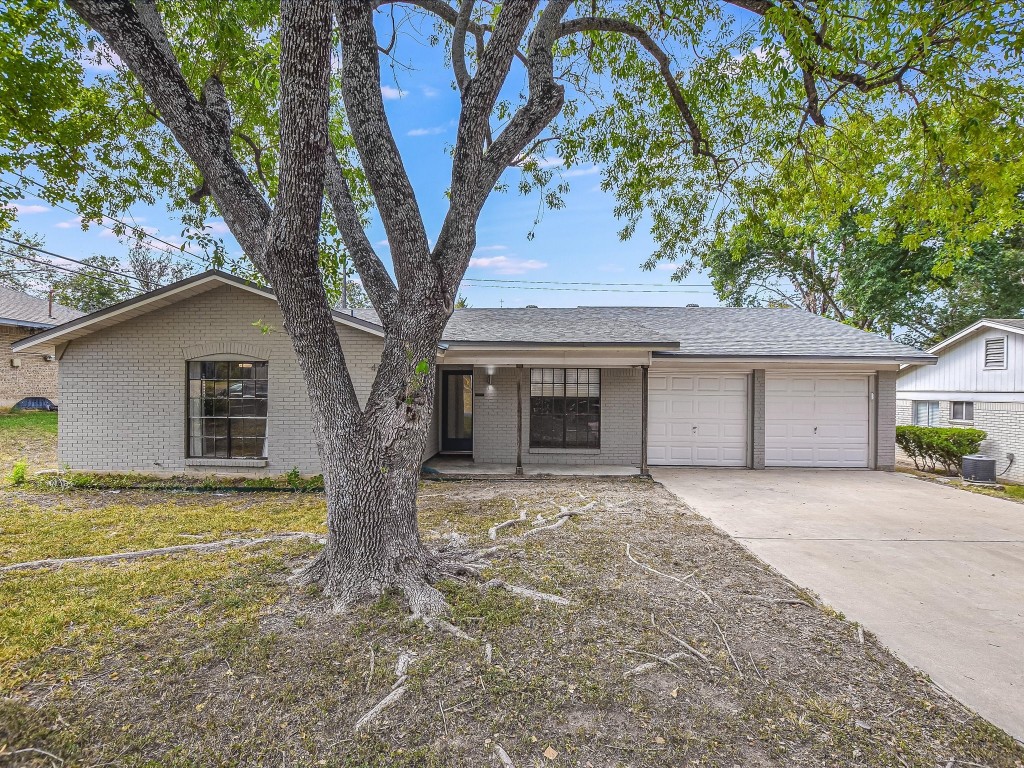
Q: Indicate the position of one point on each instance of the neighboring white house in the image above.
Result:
(978, 382)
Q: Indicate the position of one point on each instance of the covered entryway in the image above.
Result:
(817, 420)
(698, 419)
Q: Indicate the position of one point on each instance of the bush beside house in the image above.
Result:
(930, 447)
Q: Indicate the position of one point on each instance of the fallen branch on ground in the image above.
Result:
(492, 534)
(524, 592)
(204, 548)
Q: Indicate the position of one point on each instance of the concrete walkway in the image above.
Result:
(936, 573)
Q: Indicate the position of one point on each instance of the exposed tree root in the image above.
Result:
(398, 690)
(210, 546)
(532, 594)
(678, 579)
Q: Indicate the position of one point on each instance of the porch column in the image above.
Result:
(644, 472)
(519, 420)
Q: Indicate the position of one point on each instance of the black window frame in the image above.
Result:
(226, 409)
(565, 410)
(966, 406)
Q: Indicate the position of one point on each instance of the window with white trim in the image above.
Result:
(926, 413)
(960, 410)
(995, 353)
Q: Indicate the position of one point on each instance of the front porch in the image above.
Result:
(457, 467)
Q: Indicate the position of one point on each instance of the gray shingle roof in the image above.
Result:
(699, 331)
(17, 308)
(1012, 322)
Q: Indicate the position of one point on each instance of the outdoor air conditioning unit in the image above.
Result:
(978, 469)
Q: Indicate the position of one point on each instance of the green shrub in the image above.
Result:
(18, 472)
(944, 447)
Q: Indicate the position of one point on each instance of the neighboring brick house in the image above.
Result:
(30, 374)
(183, 380)
(977, 382)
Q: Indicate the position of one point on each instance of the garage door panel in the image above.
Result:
(817, 420)
(698, 419)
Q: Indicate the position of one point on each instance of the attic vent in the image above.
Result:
(692, 306)
(995, 352)
(531, 306)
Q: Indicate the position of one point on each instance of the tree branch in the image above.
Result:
(376, 280)
(698, 143)
(135, 33)
(459, 44)
(378, 153)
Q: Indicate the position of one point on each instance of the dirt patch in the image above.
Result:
(739, 666)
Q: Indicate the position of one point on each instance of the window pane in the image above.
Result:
(969, 411)
(227, 407)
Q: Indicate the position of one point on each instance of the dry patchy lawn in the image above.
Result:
(200, 660)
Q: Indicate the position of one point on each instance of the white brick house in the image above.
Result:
(977, 382)
(183, 379)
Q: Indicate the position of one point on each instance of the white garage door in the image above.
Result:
(816, 421)
(698, 419)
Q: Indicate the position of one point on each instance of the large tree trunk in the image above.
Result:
(371, 463)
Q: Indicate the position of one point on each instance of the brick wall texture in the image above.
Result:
(757, 419)
(885, 420)
(1002, 422)
(35, 377)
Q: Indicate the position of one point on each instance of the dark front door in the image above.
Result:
(457, 411)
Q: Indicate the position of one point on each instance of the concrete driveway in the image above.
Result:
(936, 573)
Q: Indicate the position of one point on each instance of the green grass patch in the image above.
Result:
(28, 436)
(33, 529)
(33, 423)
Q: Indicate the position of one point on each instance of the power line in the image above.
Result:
(175, 249)
(51, 265)
(68, 258)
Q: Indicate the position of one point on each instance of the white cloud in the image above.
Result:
(390, 93)
(100, 59)
(585, 171)
(216, 226)
(22, 208)
(75, 222)
(486, 248)
(506, 265)
(383, 243)
(429, 91)
(427, 131)
(667, 266)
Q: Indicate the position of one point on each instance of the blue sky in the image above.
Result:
(578, 243)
